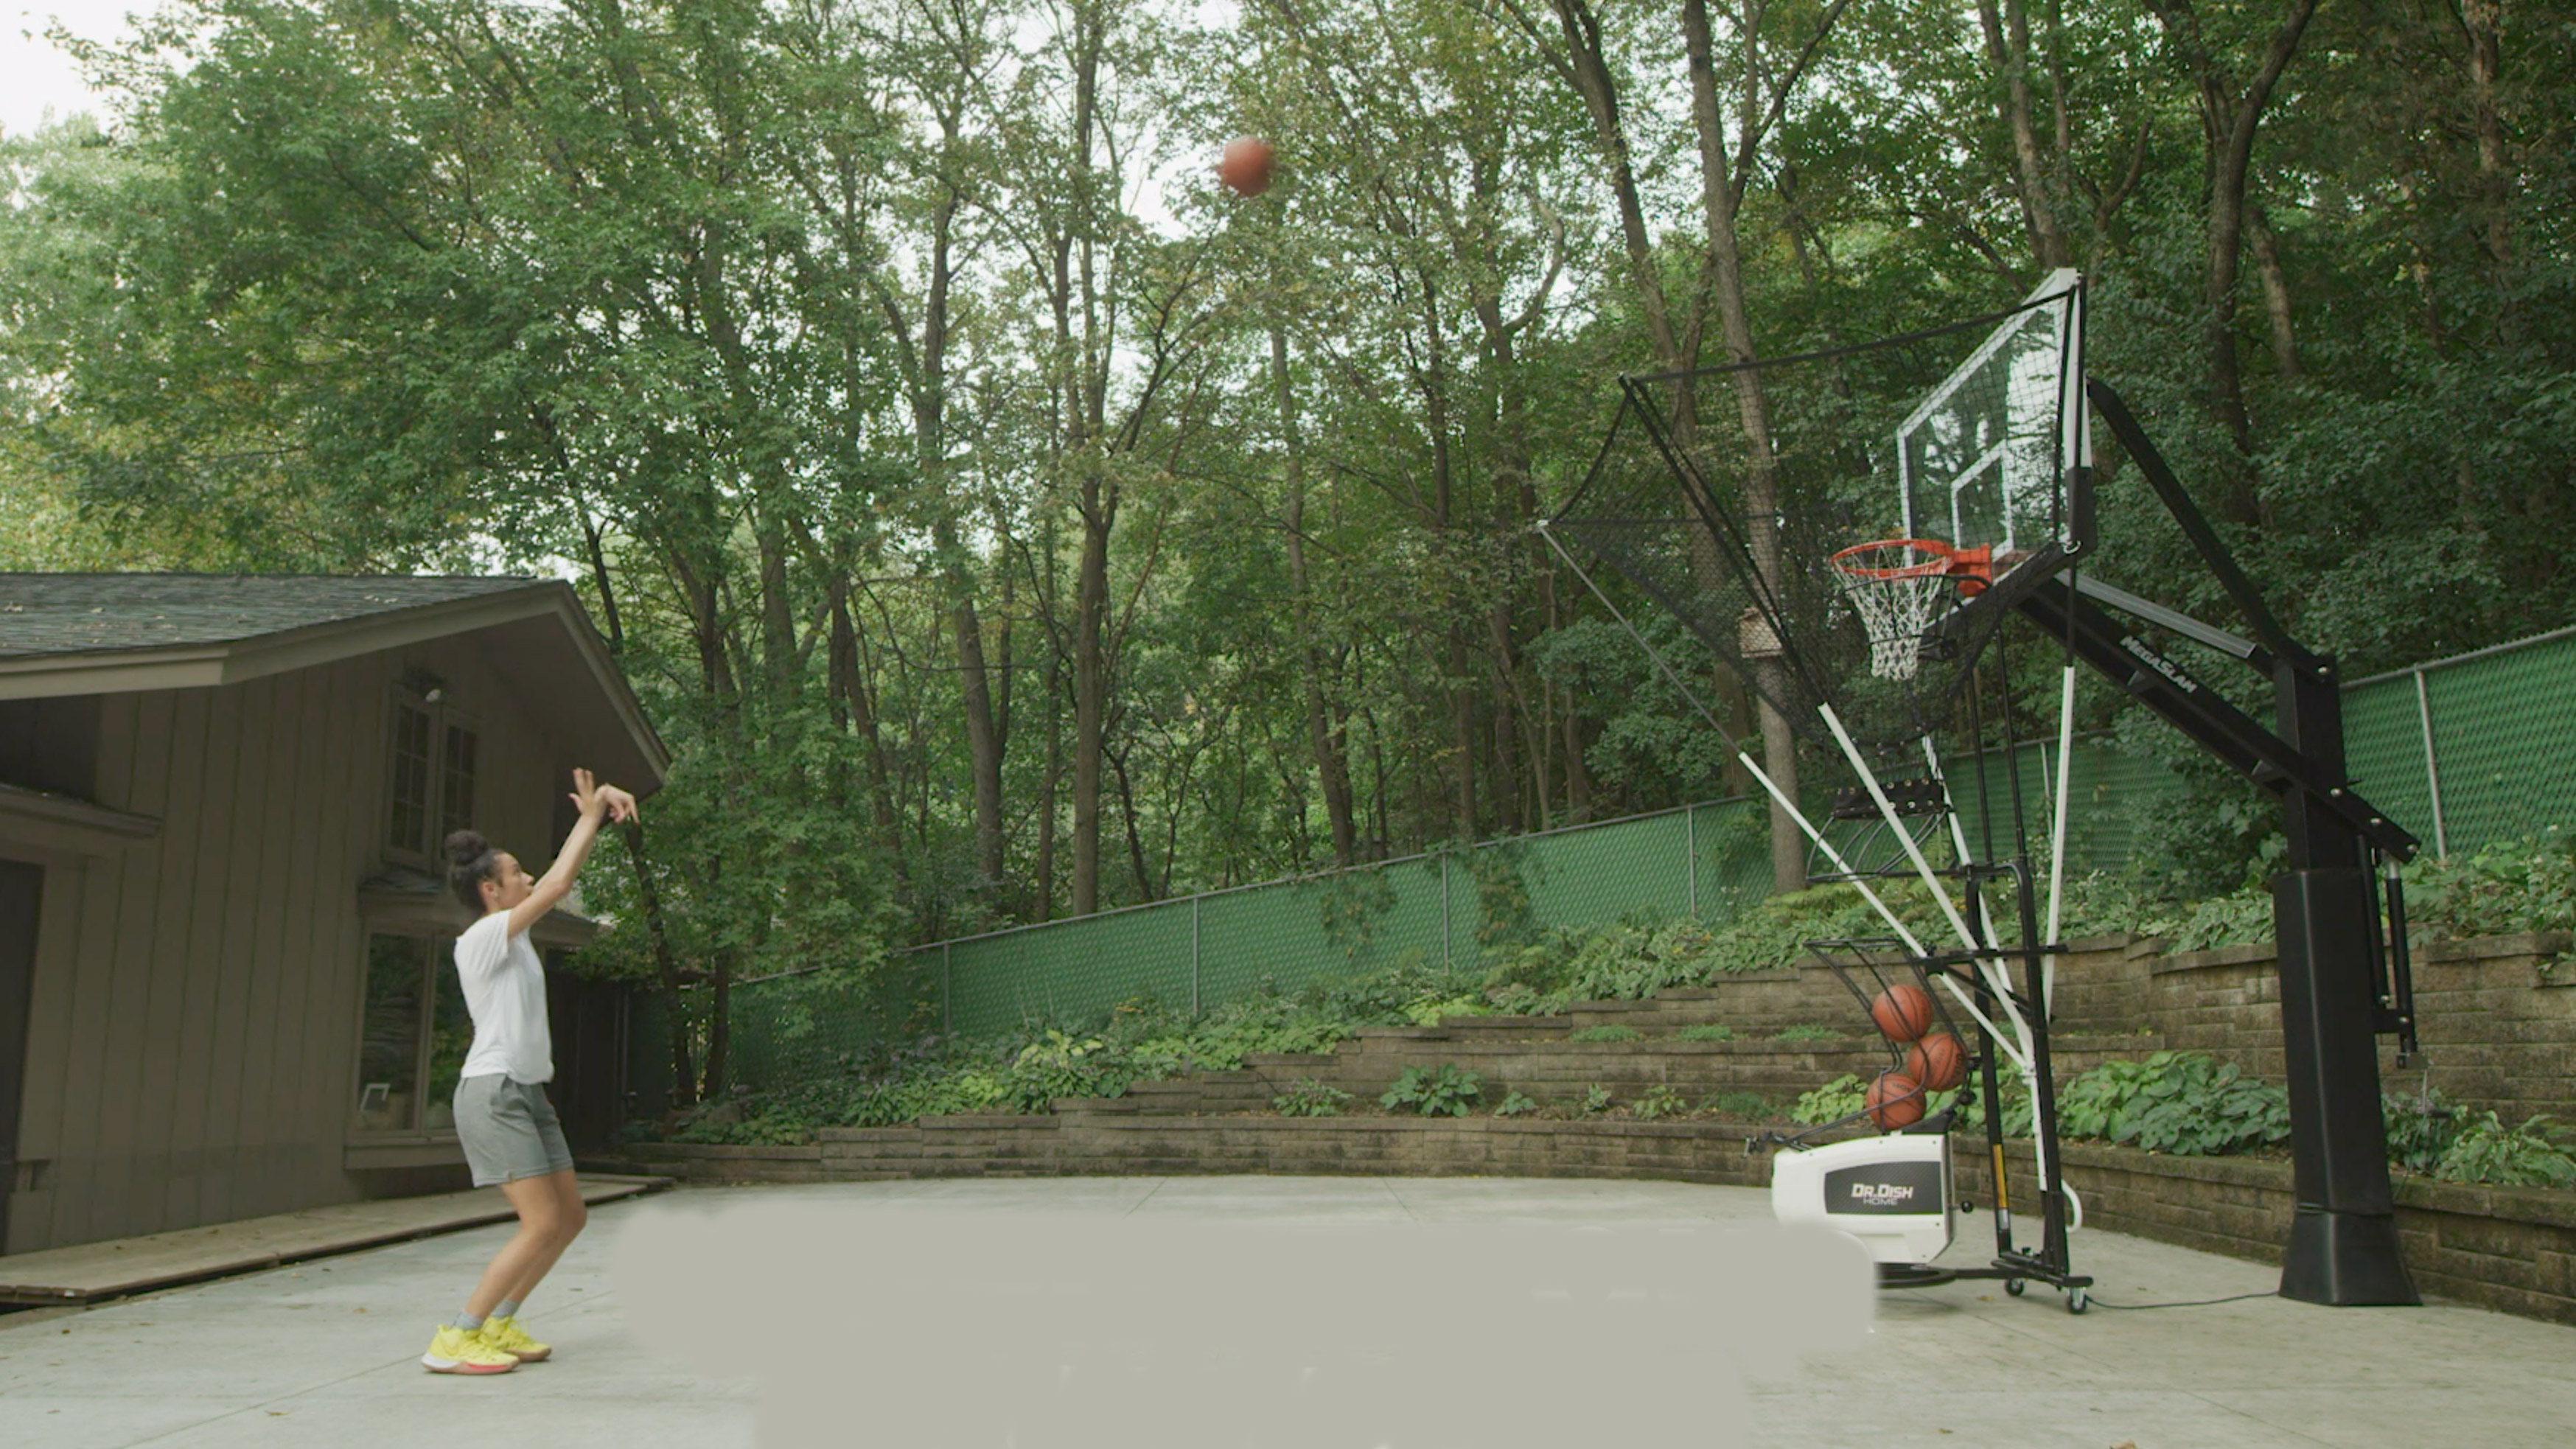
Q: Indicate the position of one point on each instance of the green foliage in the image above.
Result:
(1433, 1091)
(1596, 1100)
(1738, 1106)
(1514, 1104)
(2535, 1154)
(1968, 1099)
(2506, 888)
(1400, 994)
(1659, 1100)
(1626, 962)
(1607, 1031)
(1832, 1102)
(2185, 1103)
(1428, 1013)
(1707, 1031)
(1806, 1032)
(2420, 1128)
(1310, 1098)
(2102, 904)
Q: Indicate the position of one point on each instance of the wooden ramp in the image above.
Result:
(91, 1272)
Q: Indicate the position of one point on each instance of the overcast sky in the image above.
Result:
(34, 76)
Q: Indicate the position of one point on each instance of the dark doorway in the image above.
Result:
(588, 1021)
(22, 886)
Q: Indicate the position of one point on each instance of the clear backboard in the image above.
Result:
(1984, 458)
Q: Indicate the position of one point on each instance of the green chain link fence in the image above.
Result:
(2462, 751)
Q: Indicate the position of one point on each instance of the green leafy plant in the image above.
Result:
(1831, 1102)
(1516, 1105)
(1804, 1032)
(1659, 1101)
(2534, 1154)
(2189, 1104)
(2420, 1128)
(1310, 1098)
(1969, 1101)
(1707, 1031)
(1738, 1106)
(2505, 888)
(1596, 1100)
(1428, 1013)
(1433, 1091)
(1607, 1031)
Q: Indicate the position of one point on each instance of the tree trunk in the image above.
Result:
(2229, 115)
(2276, 294)
(684, 1074)
(2483, 20)
(1090, 684)
(983, 740)
(1462, 701)
(848, 686)
(1084, 403)
(2008, 48)
(1720, 197)
(1322, 735)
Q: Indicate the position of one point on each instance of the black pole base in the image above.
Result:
(2346, 1260)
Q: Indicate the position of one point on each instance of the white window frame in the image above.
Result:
(423, 854)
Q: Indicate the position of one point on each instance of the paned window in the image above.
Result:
(417, 1033)
(435, 764)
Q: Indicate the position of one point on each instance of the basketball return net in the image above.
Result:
(1843, 531)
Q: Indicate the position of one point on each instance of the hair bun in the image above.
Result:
(465, 847)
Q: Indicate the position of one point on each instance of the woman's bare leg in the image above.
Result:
(539, 1241)
(570, 1214)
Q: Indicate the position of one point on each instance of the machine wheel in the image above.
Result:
(2016, 1287)
(2075, 1300)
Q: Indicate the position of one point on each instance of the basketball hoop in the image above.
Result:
(1895, 584)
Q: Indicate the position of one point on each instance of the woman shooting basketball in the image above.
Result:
(503, 1119)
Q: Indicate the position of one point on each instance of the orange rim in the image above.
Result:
(1972, 567)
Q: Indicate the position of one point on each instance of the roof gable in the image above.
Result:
(82, 634)
(85, 613)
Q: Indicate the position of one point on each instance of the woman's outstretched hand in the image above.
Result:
(595, 800)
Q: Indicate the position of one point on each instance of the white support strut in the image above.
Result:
(1895, 922)
(2057, 841)
(1994, 969)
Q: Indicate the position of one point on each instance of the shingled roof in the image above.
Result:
(88, 613)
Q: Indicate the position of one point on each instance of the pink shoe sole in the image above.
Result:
(460, 1366)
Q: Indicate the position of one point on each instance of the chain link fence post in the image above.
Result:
(2432, 766)
(1690, 858)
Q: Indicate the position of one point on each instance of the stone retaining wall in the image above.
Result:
(2498, 1028)
(2509, 1249)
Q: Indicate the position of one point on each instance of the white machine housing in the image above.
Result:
(1892, 1192)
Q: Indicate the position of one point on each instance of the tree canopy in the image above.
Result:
(1005, 522)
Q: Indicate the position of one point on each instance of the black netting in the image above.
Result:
(1721, 494)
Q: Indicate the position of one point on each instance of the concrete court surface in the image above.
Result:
(326, 1353)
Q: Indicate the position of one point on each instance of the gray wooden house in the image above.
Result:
(225, 988)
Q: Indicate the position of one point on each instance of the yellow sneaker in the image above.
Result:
(455, 1351)
(504, 1335)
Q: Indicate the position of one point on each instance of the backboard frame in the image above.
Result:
(2071, 502)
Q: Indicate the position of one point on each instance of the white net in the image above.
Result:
(1893, 612)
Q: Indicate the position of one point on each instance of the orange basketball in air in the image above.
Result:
(1245, 167)
(1903, 1012)
(1937, 1061)
(1894, 1100)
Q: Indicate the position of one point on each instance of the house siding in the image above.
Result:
(194, 1022)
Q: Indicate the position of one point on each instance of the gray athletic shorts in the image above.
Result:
(508, 1129)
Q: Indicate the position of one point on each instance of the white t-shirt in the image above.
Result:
(505, 991)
